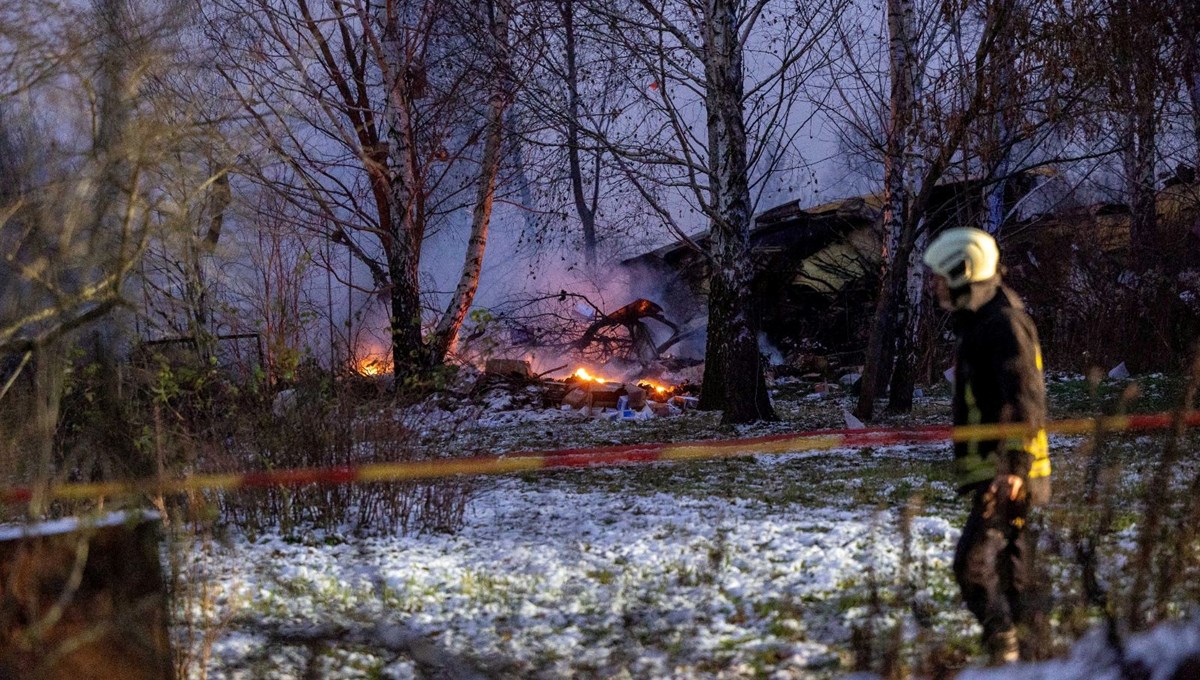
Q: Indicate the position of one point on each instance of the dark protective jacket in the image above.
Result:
(998, 379)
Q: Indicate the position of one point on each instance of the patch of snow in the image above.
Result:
(11, 532)
(1159, 651)
(582, 576)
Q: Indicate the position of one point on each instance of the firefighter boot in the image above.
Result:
(1003, 648)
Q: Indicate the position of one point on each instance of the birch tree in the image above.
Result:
(568, 99)
(1135, 35)
(375, 112)
(945, 90)
(585, 201)
(717, 84)
(498, 16)
(1187, 32)
(902, 70)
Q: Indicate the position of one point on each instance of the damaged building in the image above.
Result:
(817, 270)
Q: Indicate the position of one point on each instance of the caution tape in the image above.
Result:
(607, 456)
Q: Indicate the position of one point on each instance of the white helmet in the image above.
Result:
(963, 255)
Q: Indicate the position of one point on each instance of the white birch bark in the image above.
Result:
(404, 231)
(451, 322)
(733, 363)
(900, 19)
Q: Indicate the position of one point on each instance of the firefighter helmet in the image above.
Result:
(963, 255)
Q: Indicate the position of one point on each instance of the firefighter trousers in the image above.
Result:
(994, 567)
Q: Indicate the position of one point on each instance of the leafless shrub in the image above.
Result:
(1124, 525)
(326, 427)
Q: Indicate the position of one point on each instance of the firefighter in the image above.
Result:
(997, 379)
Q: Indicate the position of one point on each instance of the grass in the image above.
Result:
(887, 478)
(1077, 397)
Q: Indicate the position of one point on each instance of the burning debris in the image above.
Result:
(373, 366)
(612, 364)
(507, 384)
(632, 317)
(628, 399)
(371, 359)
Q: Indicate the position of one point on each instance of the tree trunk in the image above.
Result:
(735, 366)
(446, 334)
(881, 342)
(994, 217)
(405, 318)
(875, 361)
(586, 211)
(712, 391)
(1140, 78)
(516, 150)
(1139, 170)
(1001, 68)
(49, 372)
(405, 219)
(911, 318)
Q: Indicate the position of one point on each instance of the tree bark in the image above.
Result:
(896, 220)
(49, 372)
(1139, 170)
(734, 365)
(446, 334)
(404, 227)
(908, 343)
(1137, 31)
(1005, 117)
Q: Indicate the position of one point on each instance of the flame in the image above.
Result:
(372, 364)
(582, 374)
(648, 385)
(661, 389)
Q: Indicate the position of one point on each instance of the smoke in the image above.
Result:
(774, 356)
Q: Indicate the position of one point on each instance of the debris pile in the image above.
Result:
(512, 384)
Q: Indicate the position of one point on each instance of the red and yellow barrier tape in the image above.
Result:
(630, 454)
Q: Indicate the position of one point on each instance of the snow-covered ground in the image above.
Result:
(551, 581)
(760, 567)
(1168, 652)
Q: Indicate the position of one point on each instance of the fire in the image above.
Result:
(582, 374)
(372, 364)
(661, 389)
(657, 390)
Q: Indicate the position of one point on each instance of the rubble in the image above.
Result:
(512, 385)
(514, 368)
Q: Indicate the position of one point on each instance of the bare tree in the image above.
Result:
(1186, 22)
(902, 71)
(578, 83)
(969, 99)
(1136, 36)
(725, 78)
(376, 112)
(81, 201)
(499, 14)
